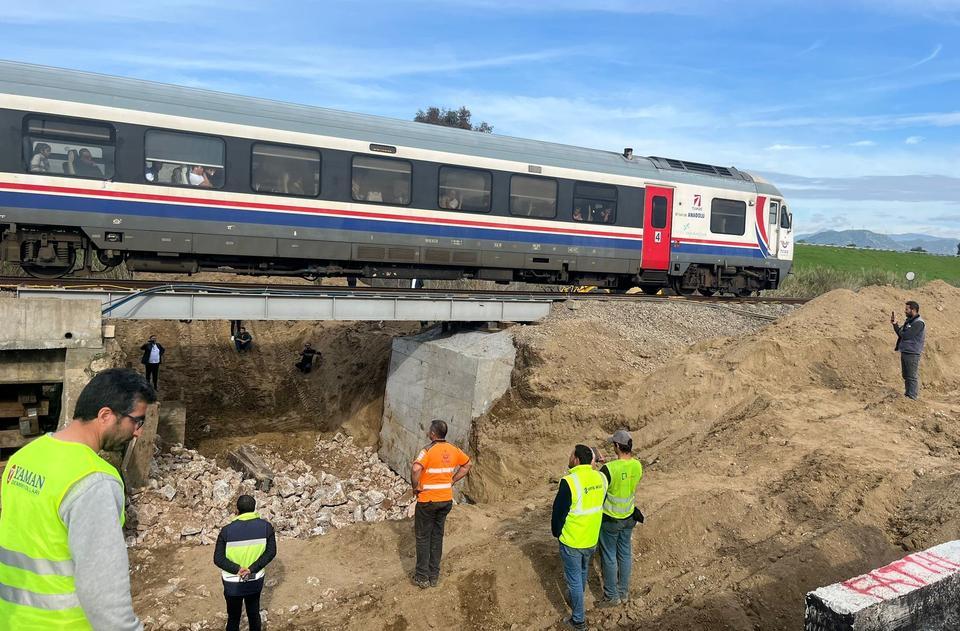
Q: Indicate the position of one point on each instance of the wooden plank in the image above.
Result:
(10, 409)
(12, 438)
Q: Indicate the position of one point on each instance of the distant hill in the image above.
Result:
(878, 241)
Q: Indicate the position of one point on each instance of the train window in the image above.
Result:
(184, 159)
(595, 203)
(464, 189)
(533, 196)
(728, 216)
(785, 219)
(658, 218)
(381, 180)
(774, 209)
(71, 148)
(285, 170)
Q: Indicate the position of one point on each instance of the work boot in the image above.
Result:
(422, 583)
(434, 581)
(568, 623)
(607, 603)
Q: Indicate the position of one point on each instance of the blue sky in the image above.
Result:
(851, 107)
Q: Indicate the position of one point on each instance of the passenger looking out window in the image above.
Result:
(450, 201)
(86, 167)
(52, 147)
(375, 179)
(597, 202)
(198, 177)
(40, 162)
(285, 170)
(153, 171)
(578, 214)
(184, 159)
(464, 189)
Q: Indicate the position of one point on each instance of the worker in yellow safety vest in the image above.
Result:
(63, 559)
(620, 515)
(576, 523)
(244, 548)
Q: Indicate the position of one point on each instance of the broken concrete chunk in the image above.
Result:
(247, 461)
(168, 492)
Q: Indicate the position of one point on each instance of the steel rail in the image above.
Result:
(80, 284)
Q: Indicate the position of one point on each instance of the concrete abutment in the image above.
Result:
(456, 379)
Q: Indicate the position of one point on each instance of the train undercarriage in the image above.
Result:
(55, 253)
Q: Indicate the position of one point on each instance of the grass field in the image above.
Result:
(819, 269)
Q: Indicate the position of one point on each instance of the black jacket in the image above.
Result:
(244, 530)
(145, 359)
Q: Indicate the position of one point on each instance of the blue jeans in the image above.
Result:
(576, 565)
(910, 369)
(616, 557)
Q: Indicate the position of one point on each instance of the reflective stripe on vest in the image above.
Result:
(37, 589)
(624, 477)
(581, 529)
(243, 553)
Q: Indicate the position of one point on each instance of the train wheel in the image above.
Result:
(679, 289)
(704, 291)
(59, 265)
(351, 281)
(744, 293)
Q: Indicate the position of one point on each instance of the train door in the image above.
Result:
(773, 226)
(657, 221)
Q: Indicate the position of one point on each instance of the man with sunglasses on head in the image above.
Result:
(63, 559)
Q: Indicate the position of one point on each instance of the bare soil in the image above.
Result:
(778, 458)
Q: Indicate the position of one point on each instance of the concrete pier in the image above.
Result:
(53, 342)
(920, 591)
(455, 378)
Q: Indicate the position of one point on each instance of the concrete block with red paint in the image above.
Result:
(920, 591)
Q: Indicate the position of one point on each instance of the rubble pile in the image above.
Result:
(190, 497)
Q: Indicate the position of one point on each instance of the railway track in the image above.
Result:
(12, 283)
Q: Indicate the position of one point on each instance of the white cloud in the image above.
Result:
(877, 122)
(863, 143)
(928, 58)
(780, 147)
(914, 140)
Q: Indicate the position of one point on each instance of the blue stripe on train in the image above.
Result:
(717, 250)
(230, 215)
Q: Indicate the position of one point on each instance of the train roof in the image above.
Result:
(159, 98)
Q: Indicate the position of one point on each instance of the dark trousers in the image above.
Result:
(235, 609)
(153, 373)
(242, 346)
(428, 525)
(910, 369)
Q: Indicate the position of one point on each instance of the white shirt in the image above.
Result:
(195, 179)
(154, 354)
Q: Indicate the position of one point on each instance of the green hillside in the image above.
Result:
(818, 269)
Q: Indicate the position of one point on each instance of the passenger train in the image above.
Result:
(98, 171)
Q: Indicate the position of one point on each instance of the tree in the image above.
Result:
(917, 249)
(459, 118)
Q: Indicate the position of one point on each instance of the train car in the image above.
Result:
(96, 171)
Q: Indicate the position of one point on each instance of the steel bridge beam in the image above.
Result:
(247, 305)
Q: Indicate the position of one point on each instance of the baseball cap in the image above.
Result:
(621, 437)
